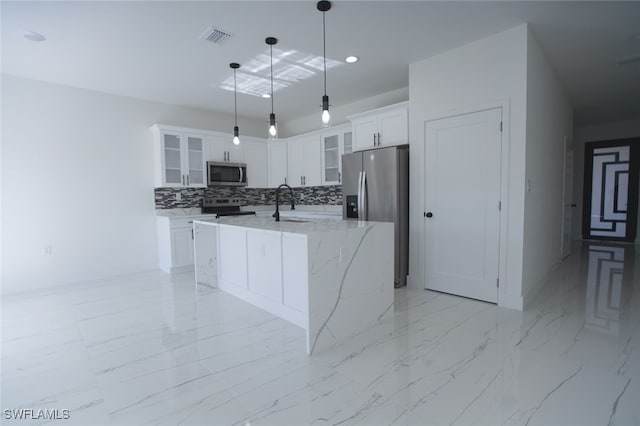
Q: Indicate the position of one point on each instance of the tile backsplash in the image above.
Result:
(166, 198)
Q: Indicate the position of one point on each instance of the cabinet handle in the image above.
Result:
(305, 180)
(183, 180)
(374, 139)
(188, 180)
(339, 177)
(300, 180)
(379, 139)
(285, 180)
(192, 234)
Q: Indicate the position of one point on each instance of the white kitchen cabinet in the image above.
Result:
(386, 126)
(175, 244)
(295, 272)
(335, 142)
(220, 147)
(347, 138)
(304, 160)
(277, 165)
(264, 256)
(256, 158)
(179, 157)
(233, 256)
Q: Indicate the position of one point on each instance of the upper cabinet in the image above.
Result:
(335, 142)
(381, 127)
(277, 163)
(304, 160)
(179, 157)
(255, 153)
(220, 147)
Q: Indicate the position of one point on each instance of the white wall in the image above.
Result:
(339, 113)
(549, 121)
(77, 174)
(600, 132)
(487, 72)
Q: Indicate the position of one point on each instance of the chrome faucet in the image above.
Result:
(293, 206)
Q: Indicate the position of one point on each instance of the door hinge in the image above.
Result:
(499, 206)
(498, 282)
(501, 126)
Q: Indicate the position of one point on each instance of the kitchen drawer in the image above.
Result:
(181, 223)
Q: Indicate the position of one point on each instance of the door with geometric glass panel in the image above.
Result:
(610, 190)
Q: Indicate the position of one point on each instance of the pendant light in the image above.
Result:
(236, 138)
(273, 129)
(324, 6)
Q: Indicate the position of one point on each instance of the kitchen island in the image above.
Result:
(334, 278)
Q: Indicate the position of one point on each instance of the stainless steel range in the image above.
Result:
(224, 207)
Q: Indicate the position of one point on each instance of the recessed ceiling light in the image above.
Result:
(34, 36)
(351, 59)
(266, 95)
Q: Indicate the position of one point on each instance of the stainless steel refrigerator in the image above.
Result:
(375, 187)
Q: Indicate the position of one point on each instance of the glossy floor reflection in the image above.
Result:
(148, 349)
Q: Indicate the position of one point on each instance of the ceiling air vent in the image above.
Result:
(214, 35)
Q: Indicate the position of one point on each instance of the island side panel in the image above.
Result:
(205, 253)
(350, 282)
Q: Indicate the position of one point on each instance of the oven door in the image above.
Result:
(226, 174)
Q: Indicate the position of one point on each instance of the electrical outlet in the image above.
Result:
(47, 249)
(178, 196)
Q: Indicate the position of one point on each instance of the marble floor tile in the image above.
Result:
(152, 349)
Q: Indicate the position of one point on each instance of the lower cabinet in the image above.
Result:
(266, 268)
(233, 256)
(175, 244)
(265, 264)
(294, 273)
(182, 247)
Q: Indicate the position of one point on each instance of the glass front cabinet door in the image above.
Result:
(335, 142)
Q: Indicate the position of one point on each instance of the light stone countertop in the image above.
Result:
(183, 213)
(285, 209)
(290, 225)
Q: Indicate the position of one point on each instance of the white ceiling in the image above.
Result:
(151, 50)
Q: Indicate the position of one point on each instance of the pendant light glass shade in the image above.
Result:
(324, 6)
(236, 139)
(326, 117)
(273, 126)
(236, 131)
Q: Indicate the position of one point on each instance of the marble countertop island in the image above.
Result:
(291, 224)
(334, 278)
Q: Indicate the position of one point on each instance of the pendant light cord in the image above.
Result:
(235, 96)
(271, 46)
(324, 52)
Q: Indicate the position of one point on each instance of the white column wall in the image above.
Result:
(549, 122)
(488, 72)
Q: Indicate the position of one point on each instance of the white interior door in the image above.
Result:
(462, 195)
(567, 201)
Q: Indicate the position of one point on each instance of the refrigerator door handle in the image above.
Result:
(360, 195)
(365, 213)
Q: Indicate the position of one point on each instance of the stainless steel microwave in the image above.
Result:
(226, 174)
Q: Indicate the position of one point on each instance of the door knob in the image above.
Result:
(428, 214)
